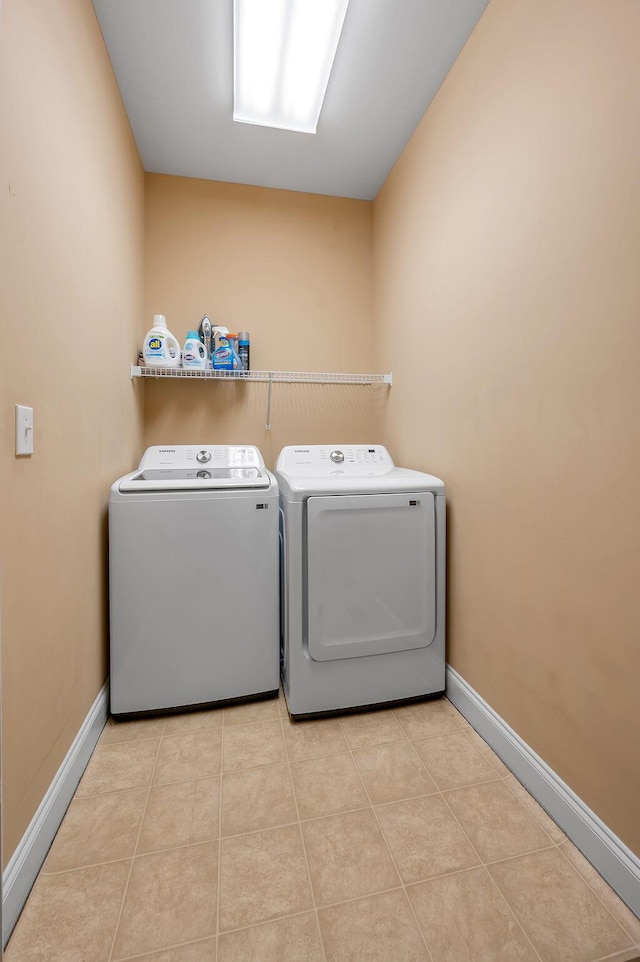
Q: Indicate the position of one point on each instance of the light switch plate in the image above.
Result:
(24, 429)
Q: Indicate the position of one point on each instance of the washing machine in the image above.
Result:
(362, 579)
(193, 578)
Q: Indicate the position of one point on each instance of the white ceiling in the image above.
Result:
(173, 60)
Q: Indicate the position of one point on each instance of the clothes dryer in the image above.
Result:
(193, 574)
(362, 579)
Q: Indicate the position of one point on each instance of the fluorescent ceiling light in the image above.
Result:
(283, 55)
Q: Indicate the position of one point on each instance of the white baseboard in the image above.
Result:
(25, 863)
(607, 853)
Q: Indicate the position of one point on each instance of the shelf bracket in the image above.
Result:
(268, 424)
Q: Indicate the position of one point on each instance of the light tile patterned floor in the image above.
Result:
(235, 835)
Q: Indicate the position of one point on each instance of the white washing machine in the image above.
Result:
(362, 579)
(193, 576)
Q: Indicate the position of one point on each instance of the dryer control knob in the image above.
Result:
(203, 456)
(337, 457)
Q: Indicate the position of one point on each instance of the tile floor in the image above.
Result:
(236, 835)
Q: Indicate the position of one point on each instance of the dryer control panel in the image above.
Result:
(316, 460)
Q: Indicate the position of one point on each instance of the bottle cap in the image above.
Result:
(194, 335)
(243, 336)
(159, 320)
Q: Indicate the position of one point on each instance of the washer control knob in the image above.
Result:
(203, 474)
(337, 457)
(203, 456)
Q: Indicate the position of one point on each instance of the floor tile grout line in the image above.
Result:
(453, 711)
(83, 868)
(454, 788)
(488, 873)
(489, 754)
(532, 851)
(449, 734)
(602, 902)
(359, 748)
(362, 808)
(207, 730)
(512, 858)
(565, 838)
(191, 731)
(389, 741)
(137, 855)
(454, 731)
(422, 762)
(94, 762)
(115, 791)
(169, 948)
(257, 925)
(615, 956)
(126, 888)
(247, 724)
(391, 856)
(126, 741)
(508, 903)
(495, 777)
(442, 793)
(304, 847)
(540, 848)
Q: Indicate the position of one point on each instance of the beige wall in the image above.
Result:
(295, 271)
(507, 243)
(71, 266)
(506, 298)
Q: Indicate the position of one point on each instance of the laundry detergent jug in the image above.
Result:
(160, 348)
(194, 353)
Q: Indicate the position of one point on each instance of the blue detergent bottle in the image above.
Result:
(223, 356)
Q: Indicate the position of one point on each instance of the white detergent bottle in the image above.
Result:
(194, 353)
(160, 348)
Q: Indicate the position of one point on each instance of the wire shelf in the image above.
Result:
(271, 377)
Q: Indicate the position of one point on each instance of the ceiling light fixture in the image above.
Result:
(283, 55)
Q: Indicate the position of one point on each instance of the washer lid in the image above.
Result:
(194, 479)
(198, 467)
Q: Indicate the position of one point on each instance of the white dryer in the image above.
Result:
(193, 577)
(362, 579)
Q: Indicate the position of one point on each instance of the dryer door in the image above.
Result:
(370, 574)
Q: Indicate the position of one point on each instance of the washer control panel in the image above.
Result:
(317, 460)
(213, 455)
